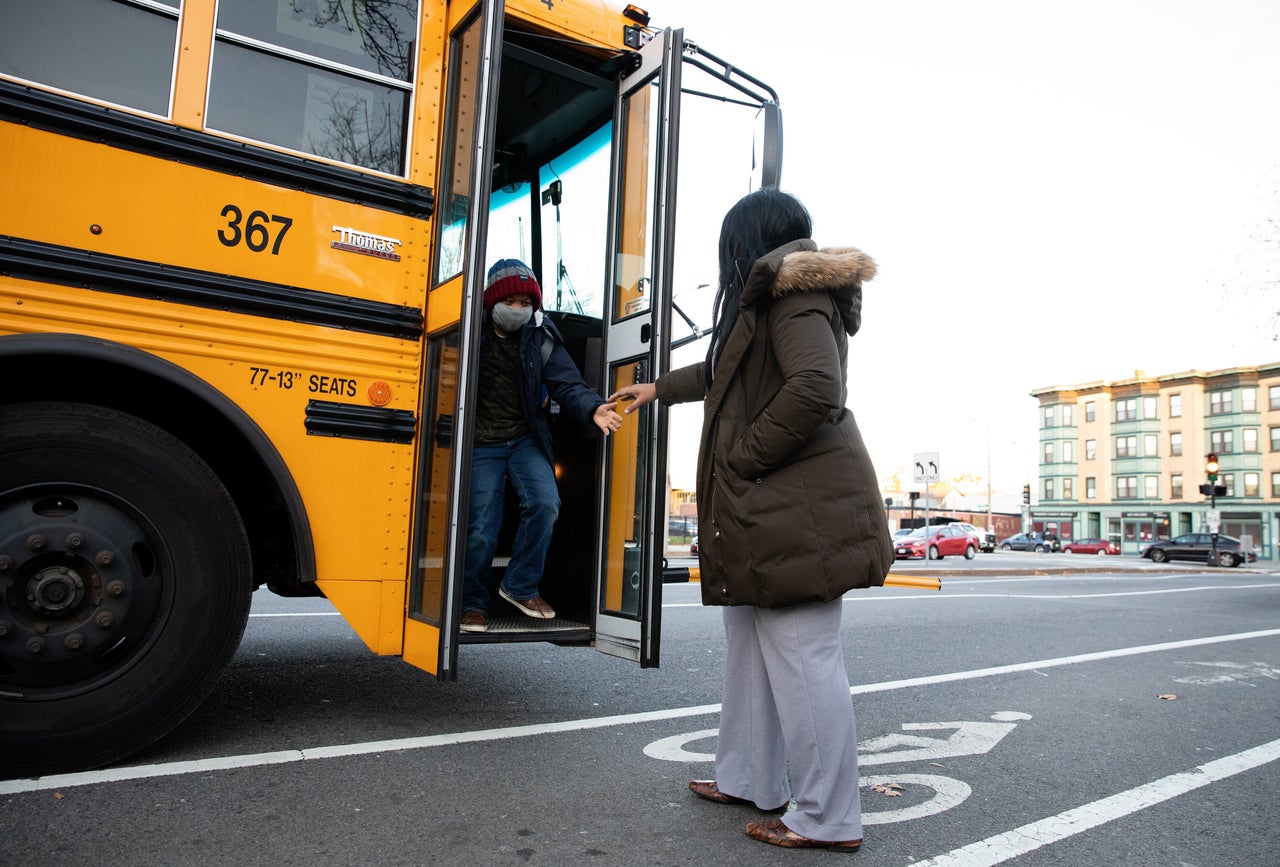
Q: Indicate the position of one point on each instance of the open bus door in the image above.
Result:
(607, 590)
(641, 229)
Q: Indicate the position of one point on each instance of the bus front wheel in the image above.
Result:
(127, 584)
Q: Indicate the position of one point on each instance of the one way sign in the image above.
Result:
(926, 467)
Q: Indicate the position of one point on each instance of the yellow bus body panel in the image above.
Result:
(359, 493)
(68, 187)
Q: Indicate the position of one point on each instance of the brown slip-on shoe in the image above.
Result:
(473, 621)
(709, 790)
(773, 832)
(535, 607)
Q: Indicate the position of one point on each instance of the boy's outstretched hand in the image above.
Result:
(606, 419)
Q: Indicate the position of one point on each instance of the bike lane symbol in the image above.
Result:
(966, 738)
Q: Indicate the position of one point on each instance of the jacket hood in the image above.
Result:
(801, 267)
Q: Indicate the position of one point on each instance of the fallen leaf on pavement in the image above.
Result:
(1168, 696)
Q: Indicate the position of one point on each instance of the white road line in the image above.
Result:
(111, 775)
(1028, 838)
(299, 614)
(856, 598)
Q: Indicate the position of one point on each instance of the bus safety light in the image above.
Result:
(636, 14)
(379, 392)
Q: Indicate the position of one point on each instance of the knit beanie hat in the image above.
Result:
(510, 277)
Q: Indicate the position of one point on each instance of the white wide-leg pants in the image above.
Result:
(786, 706)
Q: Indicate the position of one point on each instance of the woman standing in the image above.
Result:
(790, 516)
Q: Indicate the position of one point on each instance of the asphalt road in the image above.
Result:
(1130, 716)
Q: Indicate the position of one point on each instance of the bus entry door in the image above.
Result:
(638, 318)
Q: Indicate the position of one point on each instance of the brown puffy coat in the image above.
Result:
(789, 509)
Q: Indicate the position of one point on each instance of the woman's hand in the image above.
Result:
(635, 396)
(606, 419)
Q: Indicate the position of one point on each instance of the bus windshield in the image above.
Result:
(560, 225)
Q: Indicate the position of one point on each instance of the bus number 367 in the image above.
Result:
(256, 233)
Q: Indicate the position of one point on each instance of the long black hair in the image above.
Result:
(759, 222)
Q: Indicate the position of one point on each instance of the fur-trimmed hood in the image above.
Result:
(830, 268)
(801, 267)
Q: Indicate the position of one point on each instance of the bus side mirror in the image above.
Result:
(766, 155)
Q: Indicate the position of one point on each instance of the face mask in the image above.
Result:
(511, 319)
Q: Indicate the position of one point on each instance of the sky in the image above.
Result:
(1056, 193)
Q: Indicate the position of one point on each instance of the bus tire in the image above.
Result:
(128, 582)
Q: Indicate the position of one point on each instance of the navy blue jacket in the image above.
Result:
(560, 375)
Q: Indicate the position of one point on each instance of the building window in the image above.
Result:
(1048, 489)
(1222, 442)
(1175, 486)
(1149, 406)
(1068, 415)
(1229, 482)
(1275, 439)
(1127, 409)
(1091, 446)
(1048, 453)
(1251, 484)
(1091, 409)
(1151, 487)
(1219, 402)
(1068, 489)
(1250, 436)
(1127, 447)
(1068, 453)
(1175, 444)
(1091, 487)
(1048, 417)
(1275, 484)
(1150, 445)
(1248, 400)
(1175, 406)
(1273, 396)
(1126, 487)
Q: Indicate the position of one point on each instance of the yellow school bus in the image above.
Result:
(242, 250)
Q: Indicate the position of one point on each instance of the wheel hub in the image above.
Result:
(78, 591)
(55, 590)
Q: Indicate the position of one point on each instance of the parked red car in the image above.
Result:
(941, 541)
(1090, 546)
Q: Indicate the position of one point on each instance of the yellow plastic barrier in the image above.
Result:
(913, 582)
(693, 574)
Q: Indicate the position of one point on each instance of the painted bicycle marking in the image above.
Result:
(966, 738)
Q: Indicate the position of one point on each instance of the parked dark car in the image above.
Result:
(1197, 546)
(1090, 546)
(1038, 542)
(937, 543)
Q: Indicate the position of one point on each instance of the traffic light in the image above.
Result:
(1026, 495)
(1211, 467)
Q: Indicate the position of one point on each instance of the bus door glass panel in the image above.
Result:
(453, 195)
(426, 595)
(628, 471)
(638, 312)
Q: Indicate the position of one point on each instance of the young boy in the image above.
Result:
(513, 440)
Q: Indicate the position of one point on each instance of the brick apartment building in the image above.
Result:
(1125, 460)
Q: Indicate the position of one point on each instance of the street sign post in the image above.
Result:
(926, 471)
